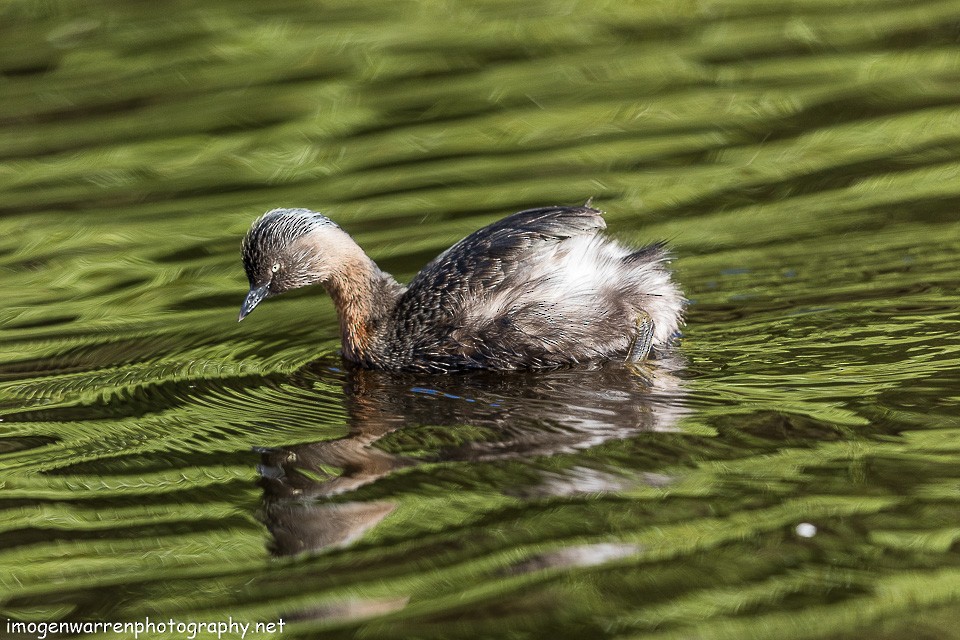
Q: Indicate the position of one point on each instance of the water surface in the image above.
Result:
(158, 459)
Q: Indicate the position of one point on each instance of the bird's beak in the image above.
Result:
(253, 299)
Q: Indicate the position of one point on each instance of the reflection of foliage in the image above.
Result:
(802, 159)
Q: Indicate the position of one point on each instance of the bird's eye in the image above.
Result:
(276, 267)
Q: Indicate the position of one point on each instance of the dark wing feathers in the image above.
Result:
(507, 238)
(656, 252)
(556, 222)
(544, 223)
(487, 256)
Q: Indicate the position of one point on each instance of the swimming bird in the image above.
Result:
(540, 289)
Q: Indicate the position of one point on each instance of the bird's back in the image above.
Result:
(539, 289)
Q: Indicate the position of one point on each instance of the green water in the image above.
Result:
(158, 459)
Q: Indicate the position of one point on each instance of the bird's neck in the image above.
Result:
(364, 297)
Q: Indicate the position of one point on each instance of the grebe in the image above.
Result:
(540, 289)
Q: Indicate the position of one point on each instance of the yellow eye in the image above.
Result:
(276, 267)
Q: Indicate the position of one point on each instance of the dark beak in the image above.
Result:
(253, 299)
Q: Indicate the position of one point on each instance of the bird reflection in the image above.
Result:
(519, 415)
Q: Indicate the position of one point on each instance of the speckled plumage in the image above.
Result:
(539, 289)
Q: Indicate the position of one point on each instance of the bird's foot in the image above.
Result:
(642, 340)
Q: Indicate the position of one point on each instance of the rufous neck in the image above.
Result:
(363, 296)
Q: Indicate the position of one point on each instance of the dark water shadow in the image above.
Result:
(401, 421)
